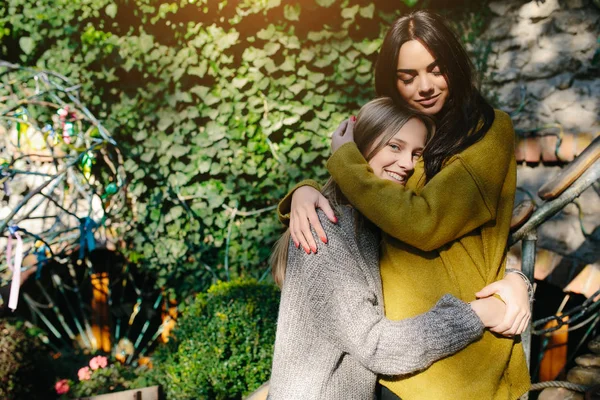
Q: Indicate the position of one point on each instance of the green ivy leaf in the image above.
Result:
(368, 47)
(368, 11)
(111, 10)
(291, 12)
(350, 12)
(325, 3)
(27, 44)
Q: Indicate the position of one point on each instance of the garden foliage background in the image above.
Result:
(220, 107)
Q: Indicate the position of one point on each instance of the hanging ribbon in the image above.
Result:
(41, 252)
(86, 164)
(6, 175)
(86, 238)
(15, 285)
(21, 126)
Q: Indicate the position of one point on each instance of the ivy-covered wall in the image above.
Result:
(220, 106)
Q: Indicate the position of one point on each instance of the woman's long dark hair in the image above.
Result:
(466, 116)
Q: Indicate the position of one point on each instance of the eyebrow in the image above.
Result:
(409, 71)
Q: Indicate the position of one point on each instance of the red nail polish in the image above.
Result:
(296, 244)
(313, 249)
(323, 239)
(307, 250)
(353, 118)
(335, 220)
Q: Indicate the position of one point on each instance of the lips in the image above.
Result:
(430, 101)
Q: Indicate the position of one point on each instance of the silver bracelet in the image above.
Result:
(525, 278)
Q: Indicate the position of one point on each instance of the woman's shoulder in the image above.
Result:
(502, 123)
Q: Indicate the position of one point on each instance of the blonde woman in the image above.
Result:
(332, 335)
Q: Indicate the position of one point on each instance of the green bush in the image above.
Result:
(223, 343)
(25, 371)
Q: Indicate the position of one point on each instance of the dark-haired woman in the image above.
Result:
(446, 231)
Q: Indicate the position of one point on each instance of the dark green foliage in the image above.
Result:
(114, 378)
(25, 371)
(223, 343)
(218, 103)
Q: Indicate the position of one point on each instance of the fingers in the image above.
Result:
(487, 291)
(349, 132)
(324, 205)
(524, 324)
(341, 128)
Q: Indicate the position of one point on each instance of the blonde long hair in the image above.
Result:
(379, 119)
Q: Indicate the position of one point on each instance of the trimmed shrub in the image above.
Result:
(25, 363)
(223, 344)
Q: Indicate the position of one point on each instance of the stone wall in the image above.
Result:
(544, 69)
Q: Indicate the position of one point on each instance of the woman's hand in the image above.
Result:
(490, 310)
(514, 292)
(343, 134)
(303, 215)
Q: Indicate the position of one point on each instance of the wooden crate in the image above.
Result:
(147, 393)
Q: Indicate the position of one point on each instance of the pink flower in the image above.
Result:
(62, 386)
(98, 362)
(84, 373)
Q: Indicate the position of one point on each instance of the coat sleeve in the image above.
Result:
(346, 311)
(463, 196)
(284, 207)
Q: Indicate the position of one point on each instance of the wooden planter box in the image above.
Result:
(147, 393)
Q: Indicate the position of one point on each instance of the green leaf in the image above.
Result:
(292, 12)
(350, 12)
(266, 34)
(368, 11)
(410, 3)
(368, 47)
(325, 3)
(26, 43)
(177, 150)
(111, 10)
(146, 43)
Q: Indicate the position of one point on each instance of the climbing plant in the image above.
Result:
(220, 106)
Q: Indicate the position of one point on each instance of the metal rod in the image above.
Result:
(528, 265)
(549, 209)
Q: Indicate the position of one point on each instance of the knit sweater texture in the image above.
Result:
(446, 236)
(332, 336)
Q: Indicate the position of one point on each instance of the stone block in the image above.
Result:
(500, 8)
(577, 118)
(588, 376)
(588, 360)
(575, 21)
(548, 62)
(537, 9)
(498, 28)
(594, 345)
(576, 4)
(560, 394)
(527, 33)
(501, 46)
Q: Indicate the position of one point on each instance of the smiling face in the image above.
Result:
(420, 80)
(396, 160)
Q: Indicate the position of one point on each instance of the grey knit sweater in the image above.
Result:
(332, 335)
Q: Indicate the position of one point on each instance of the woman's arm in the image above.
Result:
(345, 309)
(460, 198)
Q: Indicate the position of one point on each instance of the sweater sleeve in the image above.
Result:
(347, 313)
(463, 196)
(283, 209)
